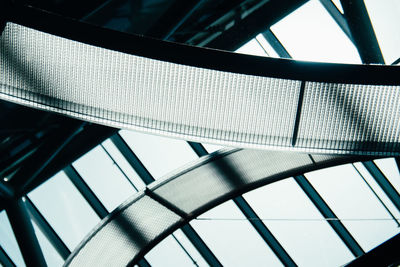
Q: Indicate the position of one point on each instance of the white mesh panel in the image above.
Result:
(123, 90)
(227, 174)
(122, 238)
(127, 91)
(193, 190)
(350, 117)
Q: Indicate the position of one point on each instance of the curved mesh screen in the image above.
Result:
(104, 86)
(141, 222)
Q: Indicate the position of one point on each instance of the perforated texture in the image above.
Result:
(127, 91)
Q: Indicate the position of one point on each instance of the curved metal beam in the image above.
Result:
(193, 191)
(256, 102)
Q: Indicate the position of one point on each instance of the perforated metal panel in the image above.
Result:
(149, 216)
(127, 91)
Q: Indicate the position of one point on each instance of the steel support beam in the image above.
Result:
(6, 191)
(324, 209)
(132, 159)
(276, 44)
(143, 263)
(199, 244)
(397, 160)
(24, 233)
(337, 16)
(98, 14)
(377, 196)
(44, 155)
(362, 31)
(261, 19)
(47, 230)
(175, 16)
(264, 232)
(147, 178)
(253, 218)
(90, 137)
(86, 192)
(5, 260)
(383, 182)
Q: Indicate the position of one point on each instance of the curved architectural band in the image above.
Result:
(126, 81)
(148, 217)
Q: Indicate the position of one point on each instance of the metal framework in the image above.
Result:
(24, 233)
(211, 163)
(147, 178)
(47, 230)
(328, 214)
(249, 213)
(383, 183)
(22, 210)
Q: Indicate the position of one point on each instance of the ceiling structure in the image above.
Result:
(36, 145)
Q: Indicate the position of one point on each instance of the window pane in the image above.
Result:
(377, 189)
(297, 224)
(190, 248)
(168, 253)
(384, 17)
(8, 241)
(160, 155)
(228, 234)
(252, 48)
(49, 252)
(65, 209)
(104, 178)
(350, 198)
(390, 169)
(267, 46)
(310, 33)
(123, 163)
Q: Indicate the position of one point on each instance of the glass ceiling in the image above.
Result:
(73, 201)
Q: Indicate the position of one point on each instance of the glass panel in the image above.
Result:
(297, 224)
(384, 17)
(160, 155)
(310, 33)
(252, 47)
(185, 242)
(169, 253)
(125, 166)
(352, 200)
(104, 178)
(228, 234)
(390, 169)
(377, 189)
(8, 241)
(50, 254)
(65, 209)
(267, 47)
